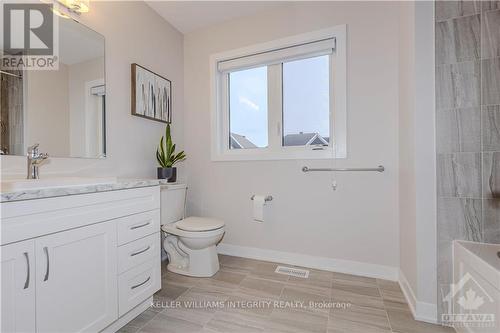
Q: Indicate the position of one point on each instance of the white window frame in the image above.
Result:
(220, 150)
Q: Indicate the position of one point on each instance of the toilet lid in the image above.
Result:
(199, 224)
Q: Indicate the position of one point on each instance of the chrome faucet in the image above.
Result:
(34, 160)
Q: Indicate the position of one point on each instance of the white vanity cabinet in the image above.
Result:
(64, 260)
(18, 287)
(76, 279)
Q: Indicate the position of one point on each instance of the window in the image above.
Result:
(306, 102)
(281, 100)
(248, 108)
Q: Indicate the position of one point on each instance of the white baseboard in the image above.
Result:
(323, 263)
(421, 311)
(427, 312)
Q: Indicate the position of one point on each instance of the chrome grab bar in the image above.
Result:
(11, 74)
(380, 168)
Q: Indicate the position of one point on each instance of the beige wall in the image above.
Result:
(133, 33)
(47, 110)
(359, 221)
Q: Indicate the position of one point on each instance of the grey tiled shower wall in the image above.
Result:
(467, 128)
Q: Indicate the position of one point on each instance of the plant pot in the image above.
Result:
(164, 173)
(173, 177)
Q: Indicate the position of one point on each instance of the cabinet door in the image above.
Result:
(77, 279)
(18, 287)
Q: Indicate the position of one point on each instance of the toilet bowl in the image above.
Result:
(193, 252)
(190, 243)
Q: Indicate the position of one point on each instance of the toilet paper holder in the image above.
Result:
(266, 199)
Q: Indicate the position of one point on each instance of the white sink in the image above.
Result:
(11, 185)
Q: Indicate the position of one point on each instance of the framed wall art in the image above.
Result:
(151, 95)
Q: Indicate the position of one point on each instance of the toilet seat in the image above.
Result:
(199, 224)
(173, 230)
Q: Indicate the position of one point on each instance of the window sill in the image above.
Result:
(256, 155)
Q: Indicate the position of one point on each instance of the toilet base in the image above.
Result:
(177, 270)
(202, 263)
(192, 253)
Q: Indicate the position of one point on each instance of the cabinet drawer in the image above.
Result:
(137, 226)
(138, 252)
(137, 284)
(34, 218)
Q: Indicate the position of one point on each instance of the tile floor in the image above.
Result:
(247, 296)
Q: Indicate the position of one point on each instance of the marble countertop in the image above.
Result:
(120, 184)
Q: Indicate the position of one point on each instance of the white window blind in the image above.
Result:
(306, 50)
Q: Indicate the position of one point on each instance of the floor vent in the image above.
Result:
(297, 272)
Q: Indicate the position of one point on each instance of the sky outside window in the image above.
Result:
(248, 105)
(306, 96)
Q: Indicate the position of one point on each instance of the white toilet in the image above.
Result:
(189, 242)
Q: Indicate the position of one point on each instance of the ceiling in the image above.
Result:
(187, 16)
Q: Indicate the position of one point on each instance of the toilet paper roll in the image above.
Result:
(259, 202)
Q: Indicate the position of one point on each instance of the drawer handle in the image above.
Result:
(140, 284)
(27, 282)
(140, 225)
(139, 252)
(46, 250)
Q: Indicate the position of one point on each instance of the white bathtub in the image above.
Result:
(474, 298)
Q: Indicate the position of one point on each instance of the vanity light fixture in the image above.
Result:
(64, 8)
(60, 10)
(77, 6)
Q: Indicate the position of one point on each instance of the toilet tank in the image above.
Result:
(172, 199)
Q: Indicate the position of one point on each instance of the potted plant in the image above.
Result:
(167, 158)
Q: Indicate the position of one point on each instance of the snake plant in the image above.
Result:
(165, 153)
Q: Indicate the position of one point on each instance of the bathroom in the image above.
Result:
(377, 213)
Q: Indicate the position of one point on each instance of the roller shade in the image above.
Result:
(306, 50)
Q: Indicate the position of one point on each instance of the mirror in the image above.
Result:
(63, 110)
